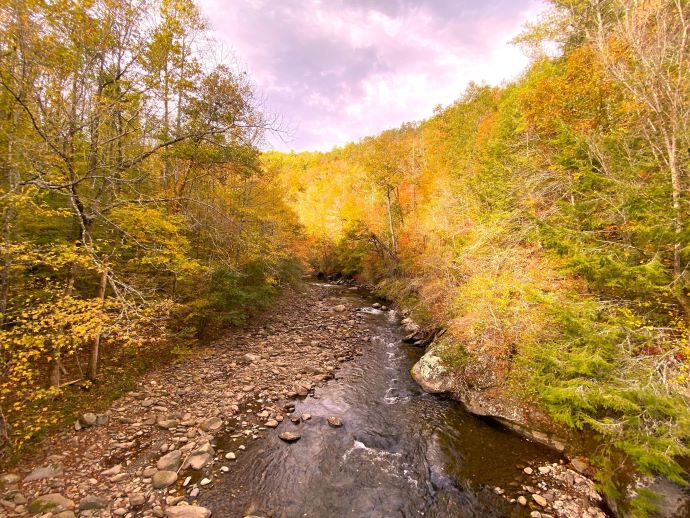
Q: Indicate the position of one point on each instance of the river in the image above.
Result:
(400, 452)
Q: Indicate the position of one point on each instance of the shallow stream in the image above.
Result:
(399, 453)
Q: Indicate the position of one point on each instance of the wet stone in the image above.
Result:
(290, 436)
(335, 421)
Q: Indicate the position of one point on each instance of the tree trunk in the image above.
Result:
(93, 359)
(678, 270)
(394, 246)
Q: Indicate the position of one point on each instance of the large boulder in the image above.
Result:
(431, 374)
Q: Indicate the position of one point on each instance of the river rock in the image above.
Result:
(335, 421)
(52, 502)
(271, 423)
(115, 470)
(205, 448)
(120, 477)
(290, 436)
(522, 500)
(137, 499)
(212, 424)
(170, 461)
(50, 471)
(230, 456)
(539, 500)
(88, 419)
(579, 465)
(167, 422)
(187, 511)
(430, 373)
(93, 502)
(198, 460)
(340, 308)
(163, 479)
(8, 479)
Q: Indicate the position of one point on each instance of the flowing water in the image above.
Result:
(399, 453)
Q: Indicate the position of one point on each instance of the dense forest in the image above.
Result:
(135, 214)
(543, 225)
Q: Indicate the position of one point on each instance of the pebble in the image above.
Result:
(50, 471)
(50, 502)
(170, 461)
(290, 436)
(335, 421)
(88, 419)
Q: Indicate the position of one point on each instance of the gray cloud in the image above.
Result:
(339, 70)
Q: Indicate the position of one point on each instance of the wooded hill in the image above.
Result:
(544, 224)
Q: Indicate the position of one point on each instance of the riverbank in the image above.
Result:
(106, 467)
(187, 426)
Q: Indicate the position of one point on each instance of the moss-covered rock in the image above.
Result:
(53, 502)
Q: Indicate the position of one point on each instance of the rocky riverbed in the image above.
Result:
(187, 426)
(151, 453)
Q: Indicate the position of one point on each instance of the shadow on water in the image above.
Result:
(399, 453)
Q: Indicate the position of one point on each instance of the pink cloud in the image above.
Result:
(339, 70)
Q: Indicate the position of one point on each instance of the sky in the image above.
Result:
(335, 71)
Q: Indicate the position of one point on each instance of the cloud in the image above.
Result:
(339, 70)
